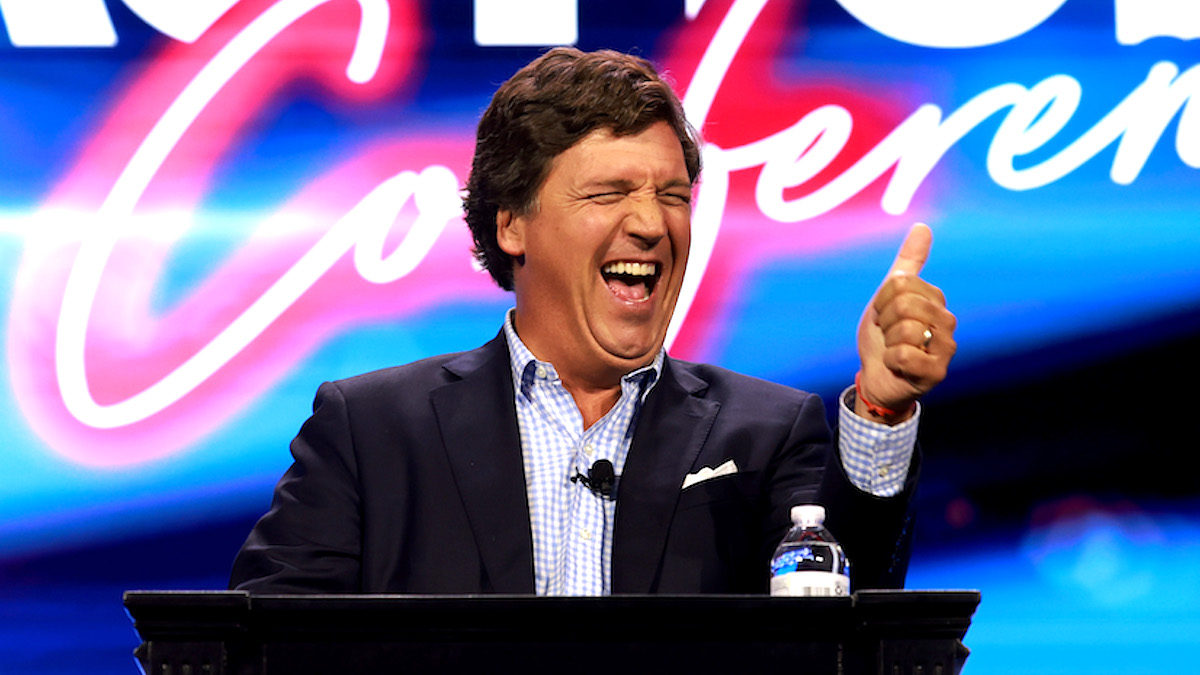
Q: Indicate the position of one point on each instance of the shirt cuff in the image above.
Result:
(876, 456)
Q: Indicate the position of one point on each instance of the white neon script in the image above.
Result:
(1035, 116)
(434, 191)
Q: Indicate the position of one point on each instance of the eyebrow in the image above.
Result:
(625, 184)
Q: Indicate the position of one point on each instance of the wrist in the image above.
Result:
(864, 407)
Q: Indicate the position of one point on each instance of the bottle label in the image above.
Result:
(811, 584)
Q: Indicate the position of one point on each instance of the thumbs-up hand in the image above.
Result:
(905, 337)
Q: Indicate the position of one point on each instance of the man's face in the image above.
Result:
(604, 249)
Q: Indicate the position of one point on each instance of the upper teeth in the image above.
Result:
(631, 268)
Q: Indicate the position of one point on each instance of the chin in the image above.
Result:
(635, 344)
(635, 355)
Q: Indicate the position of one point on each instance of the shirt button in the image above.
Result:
(541, 372)
(587, 535)
(589, 449)
(883, 472)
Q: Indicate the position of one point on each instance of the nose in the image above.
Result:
(646, 220)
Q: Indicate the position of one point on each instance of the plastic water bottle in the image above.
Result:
(809, 562)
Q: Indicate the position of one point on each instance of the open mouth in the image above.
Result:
(631, 281)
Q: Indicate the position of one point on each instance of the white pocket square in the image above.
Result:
(708, 473)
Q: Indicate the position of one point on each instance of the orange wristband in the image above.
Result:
(877, 410)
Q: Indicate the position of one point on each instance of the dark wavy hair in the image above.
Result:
(544, 109)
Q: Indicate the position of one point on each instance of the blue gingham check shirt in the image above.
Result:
(572, 526)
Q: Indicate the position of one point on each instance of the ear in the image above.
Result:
(510, 232)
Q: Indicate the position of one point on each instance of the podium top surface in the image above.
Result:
(233, 613)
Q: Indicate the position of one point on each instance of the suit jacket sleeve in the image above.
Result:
(405, 480)
(310, 540)
(876, 532)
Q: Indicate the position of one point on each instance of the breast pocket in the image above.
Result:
(713, 544)
(733, 487)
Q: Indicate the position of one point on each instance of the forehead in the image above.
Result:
(654, 153)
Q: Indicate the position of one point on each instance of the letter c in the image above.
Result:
(959, 24)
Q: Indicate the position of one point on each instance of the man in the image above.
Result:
(470, 473)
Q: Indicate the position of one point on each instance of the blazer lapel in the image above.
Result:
(478, 422)
(672, 427)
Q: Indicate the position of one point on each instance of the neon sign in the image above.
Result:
(108, 381)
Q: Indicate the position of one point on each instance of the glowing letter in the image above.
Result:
(58, 23)
(1140, 20)
(532, 23)
(184, 20)
(952, 23)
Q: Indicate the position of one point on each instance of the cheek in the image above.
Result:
(681, 239)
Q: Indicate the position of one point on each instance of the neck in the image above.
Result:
(594, 383)
(593, 403)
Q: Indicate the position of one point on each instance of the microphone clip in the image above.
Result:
(601, 479)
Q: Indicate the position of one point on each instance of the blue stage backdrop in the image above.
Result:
(208, 208)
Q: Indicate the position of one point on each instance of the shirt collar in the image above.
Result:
(525, 365)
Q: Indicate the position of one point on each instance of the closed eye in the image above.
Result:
(605, 197)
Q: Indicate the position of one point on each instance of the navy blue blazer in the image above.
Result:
(410, 480)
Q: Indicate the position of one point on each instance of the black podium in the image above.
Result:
(877, 632)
